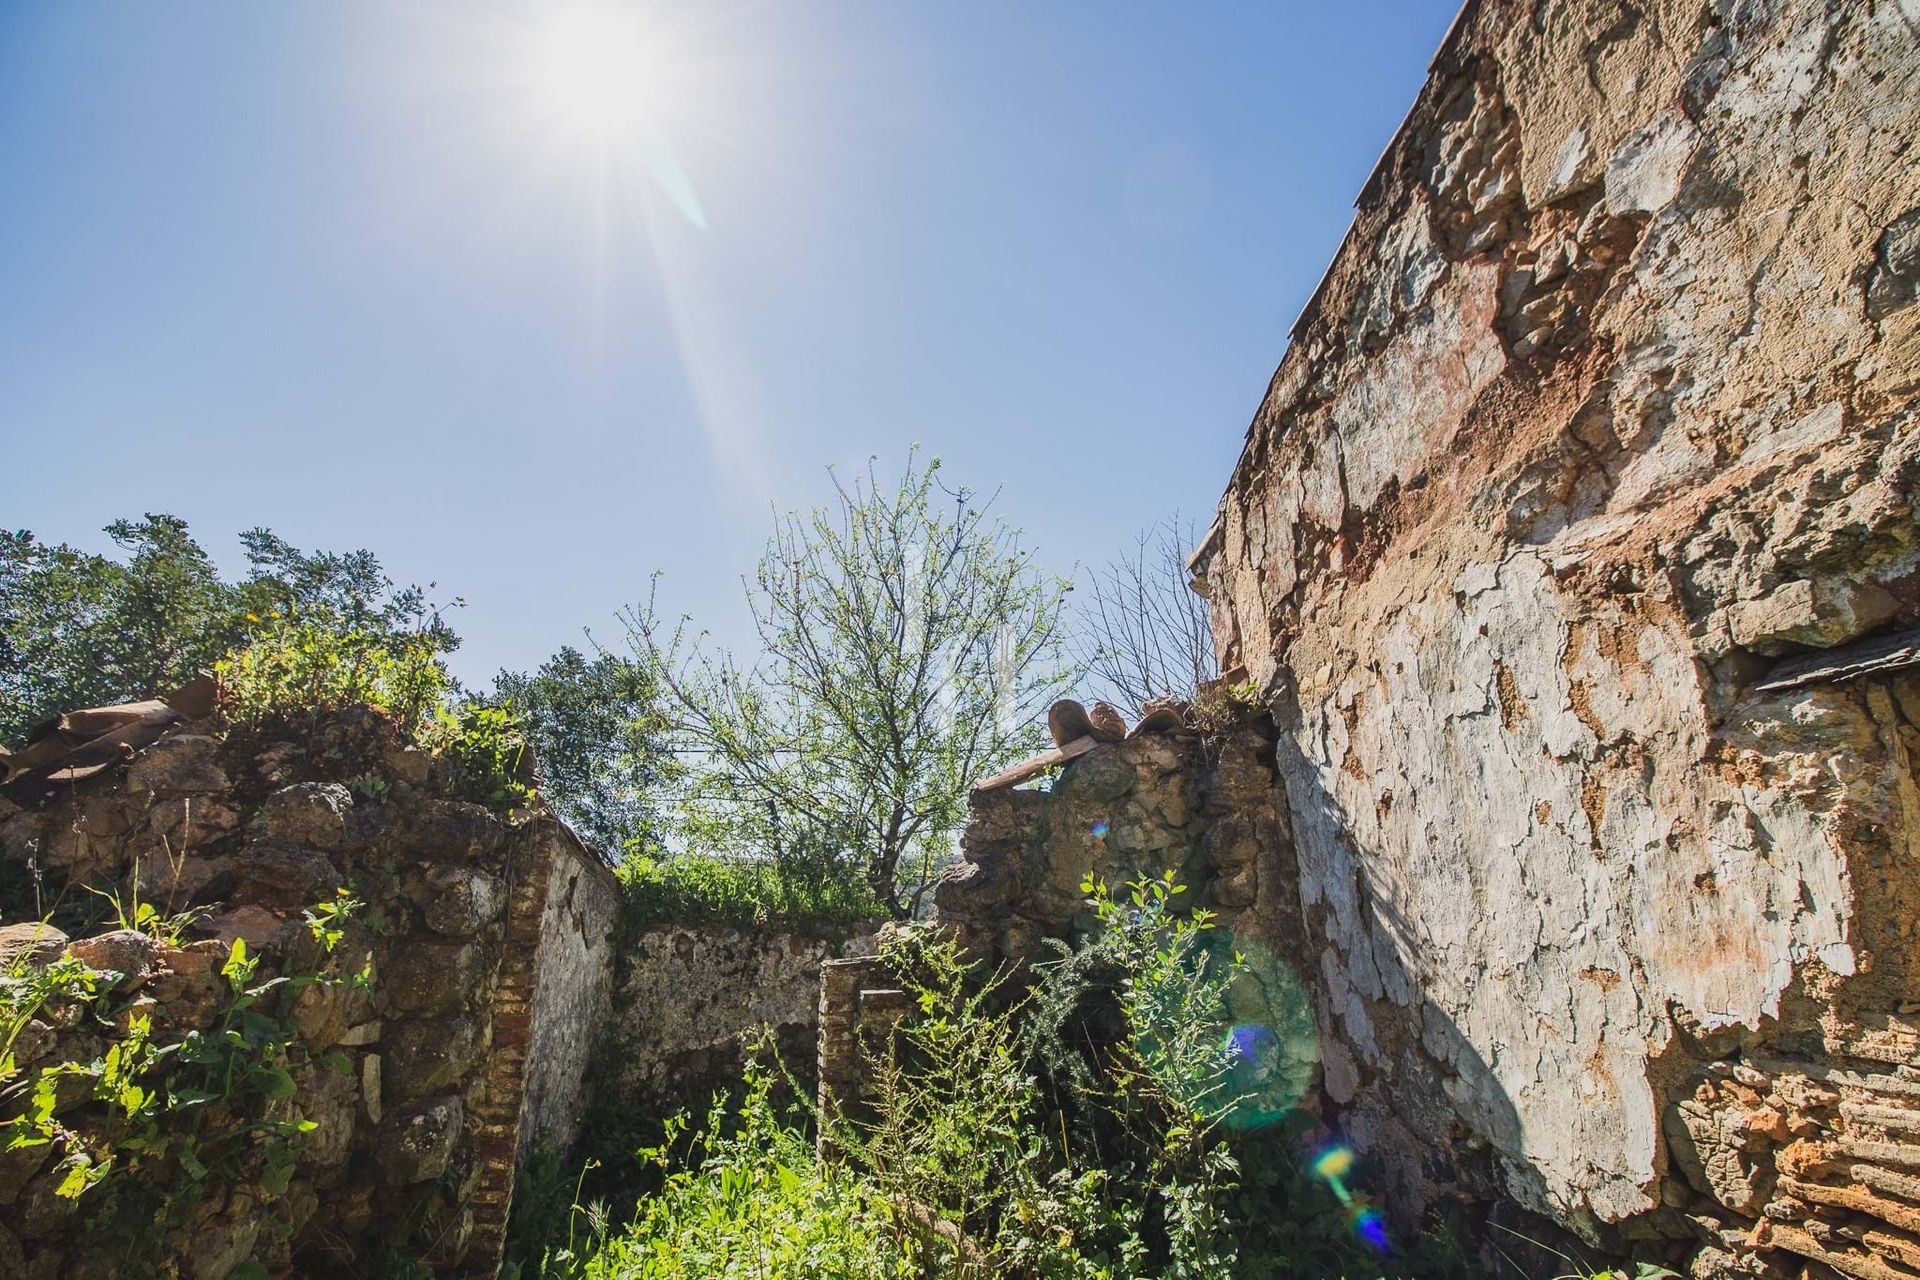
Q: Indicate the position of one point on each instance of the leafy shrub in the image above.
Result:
(487, 746)
(295, 667)
(753, 1202)
(165, 1124)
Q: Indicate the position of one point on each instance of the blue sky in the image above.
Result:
(348, 270)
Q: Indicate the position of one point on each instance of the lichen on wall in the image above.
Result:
(1606, 404)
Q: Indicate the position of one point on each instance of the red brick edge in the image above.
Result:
(494, 1126)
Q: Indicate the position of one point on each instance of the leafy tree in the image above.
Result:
(907, 641)
(597, 732)
(79, 629)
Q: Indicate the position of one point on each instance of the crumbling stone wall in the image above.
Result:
(1606, 404)
(572, 1004)
(1205, 808)
(684, 997)
(414, 1082)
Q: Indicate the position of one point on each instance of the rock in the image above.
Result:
(177, 883)
(447, 831)
(35, 942)
(260, 927)
(276, 763)
(308, 813)
(19, 1165)
(1814, 614)
(131, 954)
(187, 983)
(372, 1086)
(33, 1041)
(415, 1146)
(1893, 283)
(1098, 776)
(220, 1246)
(285, 878)
(13, 1259)
(433, 977)
(424, 1057)
(974, 886)
(410, 765)
(186, 823)
(331, 1100)
(461, 900)
(89, 845)
(323, 1012)
(185, 764)
(39, 1210)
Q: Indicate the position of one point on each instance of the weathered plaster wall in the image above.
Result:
(1607, 401)
(572, 999)
(684, 995)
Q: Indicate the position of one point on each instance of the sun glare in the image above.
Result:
(600, 75)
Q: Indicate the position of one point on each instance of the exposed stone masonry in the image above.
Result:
(415, 1084)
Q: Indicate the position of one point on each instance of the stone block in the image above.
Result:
(432, 977)
(186, 764)
(127, 952)
(462, 900)
(34, 941)
(1810, 613)
(416, 1145)
(424, 1057)
(451, 831)
(308, 813)
(1101, 776)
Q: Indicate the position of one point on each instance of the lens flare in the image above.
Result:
(1100, 829)
(1332, 1166)
(1371, 1226)
(1272, 1046)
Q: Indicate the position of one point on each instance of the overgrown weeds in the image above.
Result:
(703, 889)
(1086, 1144)
(150, 1127)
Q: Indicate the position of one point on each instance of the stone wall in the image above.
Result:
(414, 1080)
(1204, 808)
(574, 995)
(685, 995)
(1606, 404)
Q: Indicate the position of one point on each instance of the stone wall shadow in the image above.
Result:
(1436, 1135)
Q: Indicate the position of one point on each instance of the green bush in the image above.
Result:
(750, 1201)
(295, 667)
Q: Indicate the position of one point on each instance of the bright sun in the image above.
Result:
(598, 73)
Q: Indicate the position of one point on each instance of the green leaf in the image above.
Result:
(275, 1083)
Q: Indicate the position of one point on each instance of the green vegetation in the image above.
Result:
(83, 630)
(906, 642)
(308, 669)
(148, 1129)
(1077, 1127)
(746, 1198)
(700, 889)
(599, 732)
